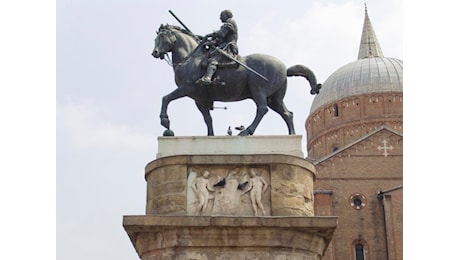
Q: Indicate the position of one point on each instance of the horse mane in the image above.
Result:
(182, 30)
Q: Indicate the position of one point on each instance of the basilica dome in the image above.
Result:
(359, 97)
(363, 76)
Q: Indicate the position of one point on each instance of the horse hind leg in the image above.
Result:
(261, 111)
(279, 107)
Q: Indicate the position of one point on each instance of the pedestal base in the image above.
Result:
(206, 237)
(230, 198)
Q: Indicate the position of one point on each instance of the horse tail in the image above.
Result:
(301, 70)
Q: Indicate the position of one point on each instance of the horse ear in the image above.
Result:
(161, 27)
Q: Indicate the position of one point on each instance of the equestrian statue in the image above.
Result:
(208, 68)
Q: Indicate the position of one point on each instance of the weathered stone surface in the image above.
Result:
(166, 190)
(205, 237)
(292, 192)
(289, 183)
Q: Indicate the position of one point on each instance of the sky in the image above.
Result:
(109, 91)
(107, 97)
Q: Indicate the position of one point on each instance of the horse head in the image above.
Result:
(164, 42)
(179, 42)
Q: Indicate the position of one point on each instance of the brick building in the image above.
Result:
(354, 138)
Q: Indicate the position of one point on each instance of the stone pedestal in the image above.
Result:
(230, 198)
(229, 237)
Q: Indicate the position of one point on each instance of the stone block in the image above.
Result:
(188, 145)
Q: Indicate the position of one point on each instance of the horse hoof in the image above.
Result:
(168, 132)
(245, 132)
(165, 122)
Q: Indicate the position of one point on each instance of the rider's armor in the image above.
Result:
(225, 39)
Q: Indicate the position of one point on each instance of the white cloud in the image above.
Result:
(83, 126)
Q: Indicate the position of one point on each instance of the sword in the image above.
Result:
(221, 51)
(239, 62)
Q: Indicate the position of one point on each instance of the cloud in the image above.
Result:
(84, 239)
(84, 126)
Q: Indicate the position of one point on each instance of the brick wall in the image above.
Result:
(362, 171)
(338, 124)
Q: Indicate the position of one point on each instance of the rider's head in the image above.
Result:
(225, 15)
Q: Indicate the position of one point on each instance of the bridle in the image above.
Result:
(169, 34)
(173, 39)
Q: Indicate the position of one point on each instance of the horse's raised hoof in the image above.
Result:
(165, 122)
(168, 132)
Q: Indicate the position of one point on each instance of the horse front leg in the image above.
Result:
(204, 109)
(177, 93)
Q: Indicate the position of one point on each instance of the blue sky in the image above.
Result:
(108, 90)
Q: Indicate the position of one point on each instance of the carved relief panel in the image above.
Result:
(242, 191)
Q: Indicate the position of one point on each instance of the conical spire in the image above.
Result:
(369, 46)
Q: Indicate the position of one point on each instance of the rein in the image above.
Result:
(169, 61)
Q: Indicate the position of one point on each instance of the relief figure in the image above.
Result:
(256, 188)
(202, 187)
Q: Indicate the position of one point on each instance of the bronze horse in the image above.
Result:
(237, 83)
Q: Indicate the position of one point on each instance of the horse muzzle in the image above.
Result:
(156, 54)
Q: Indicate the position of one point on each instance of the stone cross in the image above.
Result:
(385, 147)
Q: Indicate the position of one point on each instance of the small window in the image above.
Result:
(359, 251)
(357, 201)
(336, 110)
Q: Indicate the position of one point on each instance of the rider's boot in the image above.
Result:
(207, 77)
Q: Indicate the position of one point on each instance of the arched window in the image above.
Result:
(359, 251)
(336, 110)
